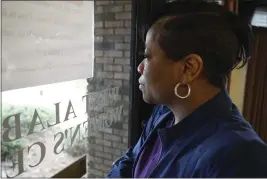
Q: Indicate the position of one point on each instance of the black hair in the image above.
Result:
(219, 36)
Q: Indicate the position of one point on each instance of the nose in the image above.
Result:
(140, 67)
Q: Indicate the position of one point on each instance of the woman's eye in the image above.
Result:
(144, 55)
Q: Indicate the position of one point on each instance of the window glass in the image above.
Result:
(65, 92)
(44, 128)
(47, 57)
(259, 18)
(46, 42)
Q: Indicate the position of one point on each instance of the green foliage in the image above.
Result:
(26, 114)
(9, 148)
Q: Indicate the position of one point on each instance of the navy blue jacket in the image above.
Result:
(214, 141)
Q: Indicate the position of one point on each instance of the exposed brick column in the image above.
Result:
(112, 68)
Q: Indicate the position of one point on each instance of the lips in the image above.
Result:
(141, 85)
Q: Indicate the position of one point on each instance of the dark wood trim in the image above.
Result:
(139, 110)
(232, 5)
(75, 170)
(139, 14)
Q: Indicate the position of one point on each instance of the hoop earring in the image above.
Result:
(188, 91)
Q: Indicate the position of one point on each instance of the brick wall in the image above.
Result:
(112, 69)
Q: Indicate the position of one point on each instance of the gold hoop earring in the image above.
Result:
(188, 91)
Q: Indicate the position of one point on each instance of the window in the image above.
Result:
(65, 85)
(46, 42)
(43, 126)
(260, 17)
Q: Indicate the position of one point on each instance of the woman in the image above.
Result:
(195, 131)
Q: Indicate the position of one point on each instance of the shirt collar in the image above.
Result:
(215, 108)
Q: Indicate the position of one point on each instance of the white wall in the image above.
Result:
(237, 87)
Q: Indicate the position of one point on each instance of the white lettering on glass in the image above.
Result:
(102, 104)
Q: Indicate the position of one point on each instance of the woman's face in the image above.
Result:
(159, 75)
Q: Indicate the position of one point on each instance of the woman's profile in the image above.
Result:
(195, 130)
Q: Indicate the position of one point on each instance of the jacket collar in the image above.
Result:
(217, 107)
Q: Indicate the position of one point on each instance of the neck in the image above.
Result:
(181, 108)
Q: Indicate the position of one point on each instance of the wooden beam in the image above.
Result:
(74, 170)
(232, 5)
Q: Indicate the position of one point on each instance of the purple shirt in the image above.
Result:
(149, 158)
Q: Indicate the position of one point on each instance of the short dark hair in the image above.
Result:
(219, 36)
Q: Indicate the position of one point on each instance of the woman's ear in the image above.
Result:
(193, 67)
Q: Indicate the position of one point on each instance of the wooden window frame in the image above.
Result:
(75, 170)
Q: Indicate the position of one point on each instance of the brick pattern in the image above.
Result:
(112, 68)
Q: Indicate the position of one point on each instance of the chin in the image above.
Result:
(148, 99)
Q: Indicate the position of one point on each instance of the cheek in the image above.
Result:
(157, 76)
(151, 72)
(165, 81)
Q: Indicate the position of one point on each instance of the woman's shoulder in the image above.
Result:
(235, 132)
(234, 150)
(235, 139)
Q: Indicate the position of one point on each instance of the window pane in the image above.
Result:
(46, 42)
(48, 55)
(259, 18)
(43, 128)
(64, 96)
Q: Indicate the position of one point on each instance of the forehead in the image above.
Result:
(151, 44)
(156, 29)
(149, 36)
